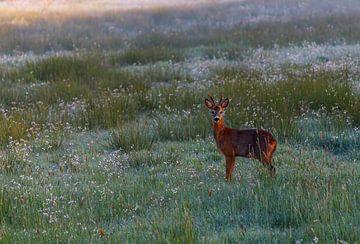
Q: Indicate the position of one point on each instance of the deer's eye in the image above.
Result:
(212, 112)
(221, 112)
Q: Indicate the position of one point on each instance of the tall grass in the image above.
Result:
(17, 124)
(160, 178)
(105, 99)
(173, 127)
(68, 77)
(278, 105)
(314, 190)
(275, 106)
(15, 158)
(132, 137)
(146, 55)
(183, 126)
(333, 133)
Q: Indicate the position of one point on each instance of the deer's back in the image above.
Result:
(245, 142)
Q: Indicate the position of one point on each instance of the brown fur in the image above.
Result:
(249, 143)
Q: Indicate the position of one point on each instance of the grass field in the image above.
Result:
(104, 135)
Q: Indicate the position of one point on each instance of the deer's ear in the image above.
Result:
(225, 103)
(208, 103)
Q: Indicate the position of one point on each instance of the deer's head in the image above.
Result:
(217, 110)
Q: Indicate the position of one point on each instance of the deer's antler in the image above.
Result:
(221, 99)
(212, 100)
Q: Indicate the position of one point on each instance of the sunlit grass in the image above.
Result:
(74, 30)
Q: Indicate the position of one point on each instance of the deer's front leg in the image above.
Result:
(230, 161)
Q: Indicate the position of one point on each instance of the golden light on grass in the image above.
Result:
(23, 12)
(94, 5)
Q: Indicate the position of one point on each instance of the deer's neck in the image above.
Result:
(218, 128)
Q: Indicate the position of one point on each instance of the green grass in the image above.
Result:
(113, 142)
(279, 104)
(185, 199)
(254, 102)
(132, 137)
(147, 55)
(183, 126)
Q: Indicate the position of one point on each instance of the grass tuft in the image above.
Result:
(146, 55)
(132, 137)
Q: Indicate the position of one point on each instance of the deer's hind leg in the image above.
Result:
(230, 161)
(272, 169)
(267, 159)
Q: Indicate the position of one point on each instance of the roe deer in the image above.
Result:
(250, 143)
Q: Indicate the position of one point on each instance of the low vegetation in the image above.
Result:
(114, 143)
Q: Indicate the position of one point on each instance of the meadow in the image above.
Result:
(104, 135)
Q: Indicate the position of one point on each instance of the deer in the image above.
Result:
(253, 143)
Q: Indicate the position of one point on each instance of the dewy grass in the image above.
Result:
(107, 112)
(311, 195)
(331, 132)
(132, 137)
(69, 77)
(15, 158)
(146, 55)
(163, 73)
(279, 104)
(13, 127)
(254, 103)
(183, 126)
(70, 68)
(160, 178)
